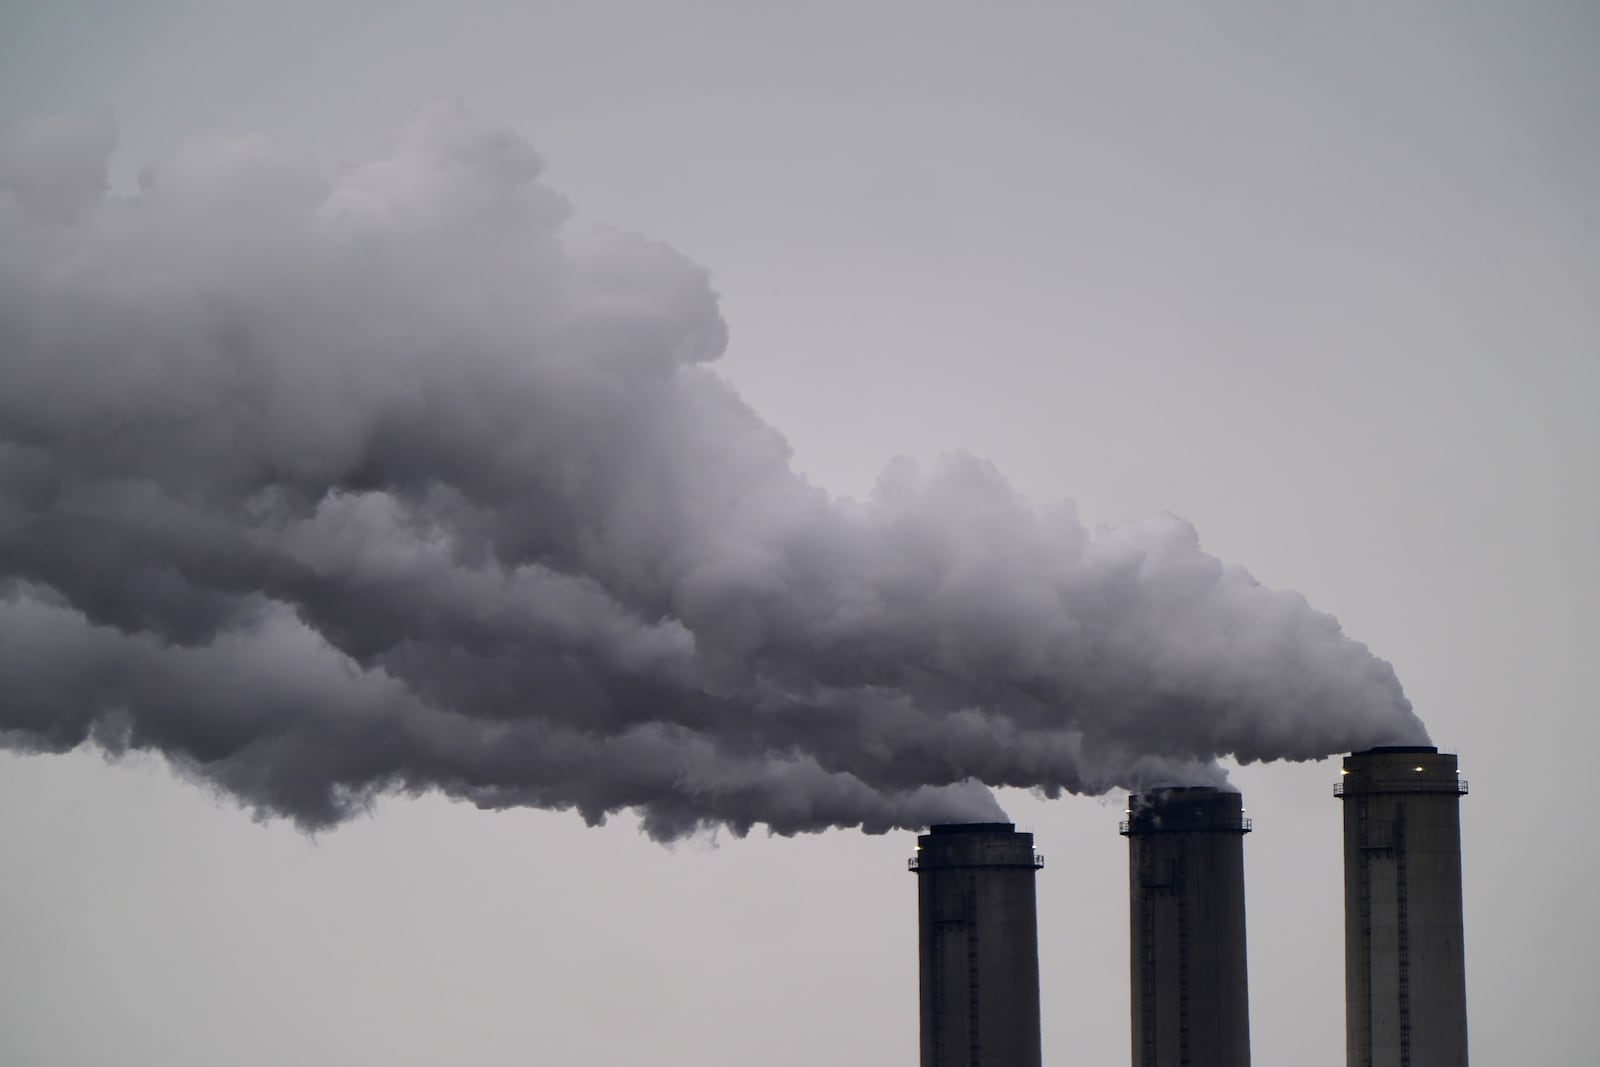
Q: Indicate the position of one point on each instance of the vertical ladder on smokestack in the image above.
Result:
(974, 1039)
(1147, 962)
(1181, 891)
(1373, 846)
(1403, 934)
(1364, 921)
(1164, 884)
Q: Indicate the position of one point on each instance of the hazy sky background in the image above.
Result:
(1324, 283)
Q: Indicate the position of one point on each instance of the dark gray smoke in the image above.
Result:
(328, 485)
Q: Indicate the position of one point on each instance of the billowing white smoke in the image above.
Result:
(391, 479)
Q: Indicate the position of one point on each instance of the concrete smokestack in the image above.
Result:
(1405, 970)
(1190, 991)
(979, 941)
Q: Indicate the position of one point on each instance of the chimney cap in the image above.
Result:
(973, 828)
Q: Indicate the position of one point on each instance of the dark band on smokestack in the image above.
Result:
(979, 945)
(1190, 989)
(1405, 968)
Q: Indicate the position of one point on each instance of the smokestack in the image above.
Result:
(1190, 994)
(1405, 972)
(979, 942)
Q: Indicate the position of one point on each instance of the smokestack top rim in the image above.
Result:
(1380, 750)
(1185, 809)
(942, 828)
(1155, 789)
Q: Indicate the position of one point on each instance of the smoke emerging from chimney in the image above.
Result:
(329, 484)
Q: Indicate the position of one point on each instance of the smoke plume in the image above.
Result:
(390, 478)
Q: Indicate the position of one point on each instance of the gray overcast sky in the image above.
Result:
(1324, 283)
